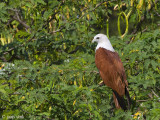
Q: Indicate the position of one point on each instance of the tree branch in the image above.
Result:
(17, 18)
(143, 18)
(75, 50)
(18, 46)
(155, 94)
(74, 21)
(141, 100)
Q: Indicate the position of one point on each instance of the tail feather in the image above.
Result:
(128, 97)
(119, 101)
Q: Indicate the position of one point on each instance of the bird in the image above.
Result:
(112, 71)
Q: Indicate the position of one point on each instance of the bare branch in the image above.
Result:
(3, 58)
(141, 100)
(58, 30)
(157, 13)
(155, 94)
(99, 4)
(20, 21)
(8, 51)
(17, 18)
(4, 100)
(95, 72)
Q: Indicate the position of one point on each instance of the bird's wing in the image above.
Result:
(111, 70)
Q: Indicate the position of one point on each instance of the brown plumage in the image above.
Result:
(112, 72)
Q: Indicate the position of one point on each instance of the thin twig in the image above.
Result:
(4, 100)
(18, 46)
(98, 5)
(157, 13)
(158, 88)
(95, 72)
(155, 94)
(144, 29)
(141, 100)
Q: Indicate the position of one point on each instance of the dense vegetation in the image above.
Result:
(47, 59)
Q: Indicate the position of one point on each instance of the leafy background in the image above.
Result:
(47, 59)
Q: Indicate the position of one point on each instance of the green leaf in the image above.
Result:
(41, 1)
(2, 5)
(2, 89)
(146, 63)
(154, 64)
(47, 14)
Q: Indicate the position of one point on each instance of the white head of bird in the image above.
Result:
(103, 42)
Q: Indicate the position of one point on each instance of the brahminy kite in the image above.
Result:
(111, 70)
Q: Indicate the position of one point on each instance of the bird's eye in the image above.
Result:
(97, 38)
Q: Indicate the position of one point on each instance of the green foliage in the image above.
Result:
(47, 68)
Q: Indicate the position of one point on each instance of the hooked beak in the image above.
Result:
(94, 40)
